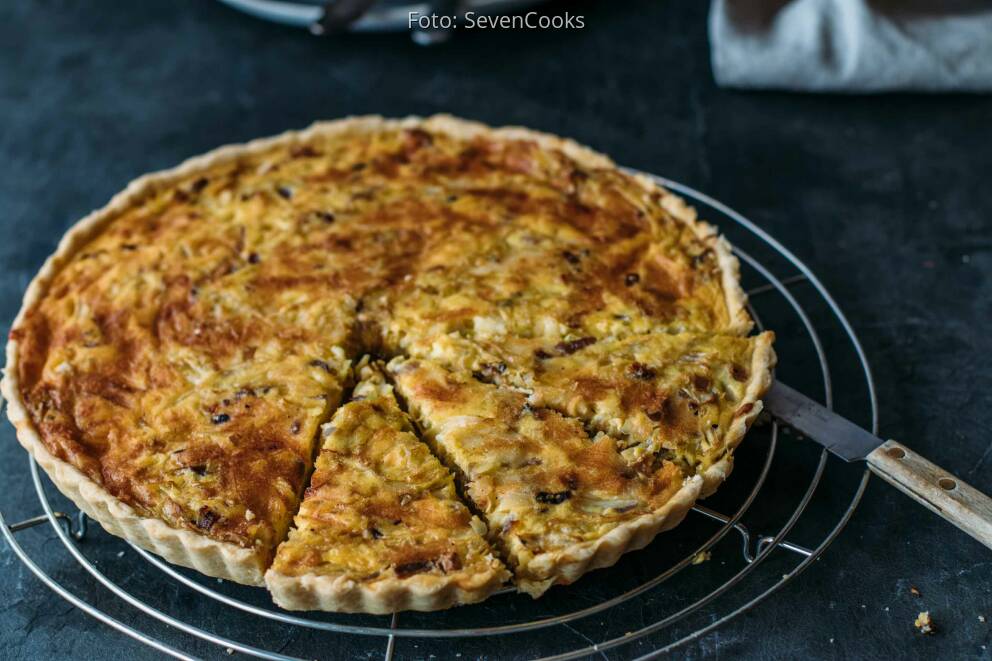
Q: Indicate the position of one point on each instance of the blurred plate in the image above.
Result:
(382, 16)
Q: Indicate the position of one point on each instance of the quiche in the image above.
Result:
(381, 527)
(572, 344)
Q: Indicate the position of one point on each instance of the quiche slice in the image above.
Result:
(558, 503)
(381, 528)
(686, 396)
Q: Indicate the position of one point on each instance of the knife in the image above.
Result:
(949, 497)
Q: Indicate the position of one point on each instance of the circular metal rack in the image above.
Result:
(689, 582)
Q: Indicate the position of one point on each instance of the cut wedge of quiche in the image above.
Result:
(687, 396)
(381, 527)
(558, 502)
(573, 340)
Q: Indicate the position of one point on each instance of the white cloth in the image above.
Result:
(852, 45)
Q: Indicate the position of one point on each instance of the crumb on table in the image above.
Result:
(701, 557)
(924, 623)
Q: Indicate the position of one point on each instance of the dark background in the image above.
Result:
(886, 198)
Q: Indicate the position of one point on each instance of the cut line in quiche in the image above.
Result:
(381, 527)
(174, 360)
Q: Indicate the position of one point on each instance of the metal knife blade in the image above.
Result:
(948, 496)
(836, 433)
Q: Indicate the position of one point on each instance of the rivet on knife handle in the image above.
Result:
(950, 497)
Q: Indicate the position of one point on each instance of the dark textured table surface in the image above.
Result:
(886, 198)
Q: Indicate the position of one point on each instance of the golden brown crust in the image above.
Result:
(346, 595)
(233, 555)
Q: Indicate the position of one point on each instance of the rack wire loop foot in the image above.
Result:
(76, 530)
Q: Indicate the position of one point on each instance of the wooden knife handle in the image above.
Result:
(951, 498)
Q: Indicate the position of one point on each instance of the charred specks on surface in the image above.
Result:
(316, 362)
(631, 279)
(578, 177)
(553, 497)
(194, 188)
(206, 518)
(375, 533)
(627, 473)
(253, 258)
(571, 257)
(488, 372)
(703, 257)
(325, 216)
(568, 348)
(304, 151)
(642, 371)
(419, 137)
(285, 192)
(220, 418)
(665, 413)
(739, 373)
(410, 568)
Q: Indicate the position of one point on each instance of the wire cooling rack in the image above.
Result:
(786, 501)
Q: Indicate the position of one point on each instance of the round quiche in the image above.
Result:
(388, 364)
